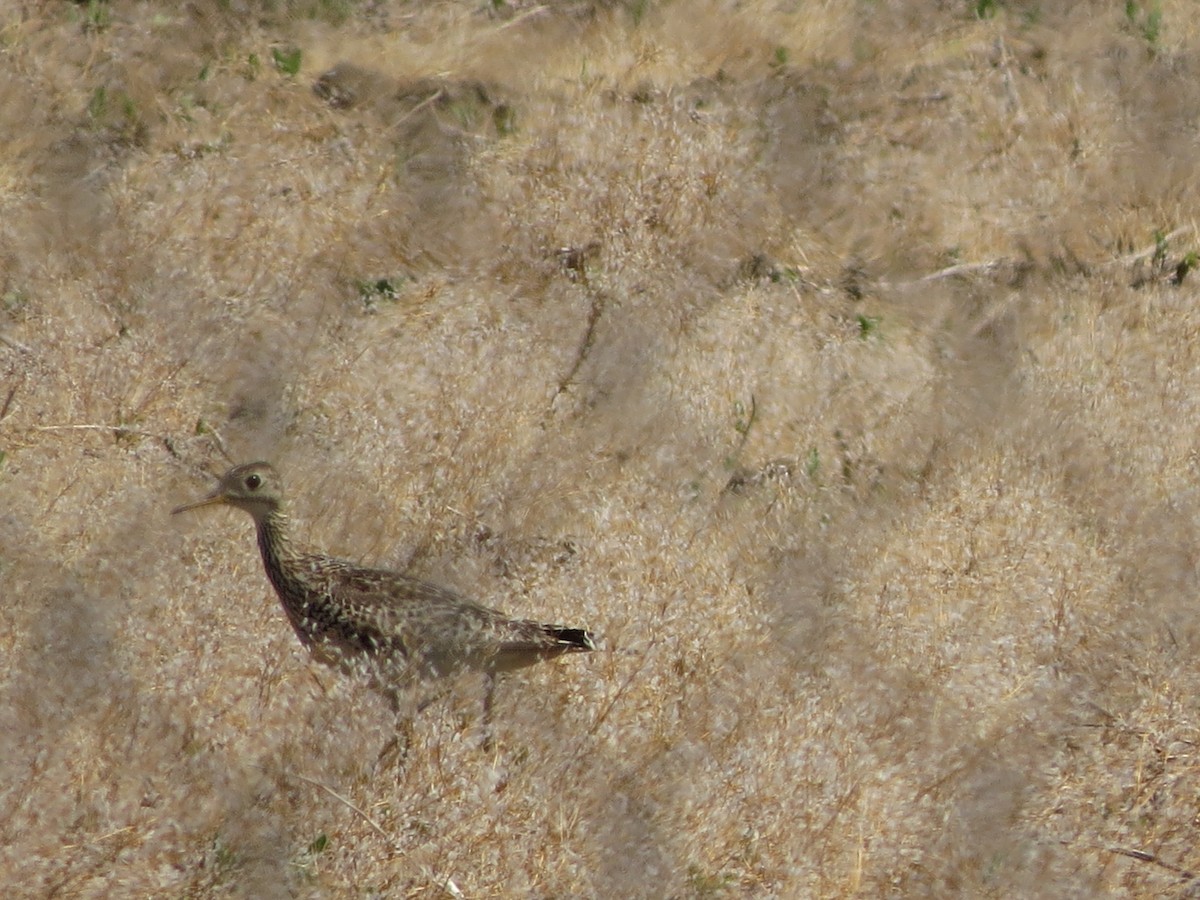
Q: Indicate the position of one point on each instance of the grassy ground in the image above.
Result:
(836, 362)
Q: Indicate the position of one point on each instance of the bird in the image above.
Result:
(389, 627)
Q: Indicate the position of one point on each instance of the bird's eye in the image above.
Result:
(253, 482)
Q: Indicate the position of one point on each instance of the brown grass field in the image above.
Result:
(838, 363)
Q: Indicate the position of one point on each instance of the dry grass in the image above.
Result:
(640, 316)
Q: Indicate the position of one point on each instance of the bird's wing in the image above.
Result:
(440, 628)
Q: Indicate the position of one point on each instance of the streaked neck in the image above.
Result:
(275, 543)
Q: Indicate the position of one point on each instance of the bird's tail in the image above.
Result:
(576, 639)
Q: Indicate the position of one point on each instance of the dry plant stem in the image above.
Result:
(15, 344)
(992, 265)
(424, 104)
(595, 310)
(961, 269)
(12, 392)
(379, 829)
(1143, 856)
(1150, 250)
(116, 429)
(520, 18)
(119, 431)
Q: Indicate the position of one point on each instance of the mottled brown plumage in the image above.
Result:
(385, 625)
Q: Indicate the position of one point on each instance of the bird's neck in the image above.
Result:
(291, 574)
(279, 555)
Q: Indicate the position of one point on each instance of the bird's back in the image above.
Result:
(379, 618)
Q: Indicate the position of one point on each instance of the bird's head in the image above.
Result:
(255, 487)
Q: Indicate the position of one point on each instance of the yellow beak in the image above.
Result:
(211, 500)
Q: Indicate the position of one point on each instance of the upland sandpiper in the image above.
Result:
(391, 628)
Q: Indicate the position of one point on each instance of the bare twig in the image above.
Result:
(528, 14)
(1010, 86)
(620, 692)
(1152, 249)
(9, 399)
(16, 345)
(961, 269)
(94, 841)
(743, 427)
(219, 442)
(428, 101)
(991, 265)
(937, 96)
(348, 804)
(447, 884)
(986, 268)
(1143, 856)
(595, 310)
(118, 430)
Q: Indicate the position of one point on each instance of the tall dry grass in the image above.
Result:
(834, 361)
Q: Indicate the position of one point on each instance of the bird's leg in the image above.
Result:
(406, 715)
(398, 744)
(489, 696)
(432, 698)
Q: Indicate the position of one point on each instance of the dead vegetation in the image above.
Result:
(833, 362)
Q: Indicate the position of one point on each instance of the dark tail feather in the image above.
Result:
(575, 638)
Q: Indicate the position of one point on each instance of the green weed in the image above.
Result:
(287, 61)
(372, 291)
(868, 326)
(1145, 22)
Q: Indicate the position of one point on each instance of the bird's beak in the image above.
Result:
(213, 499)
